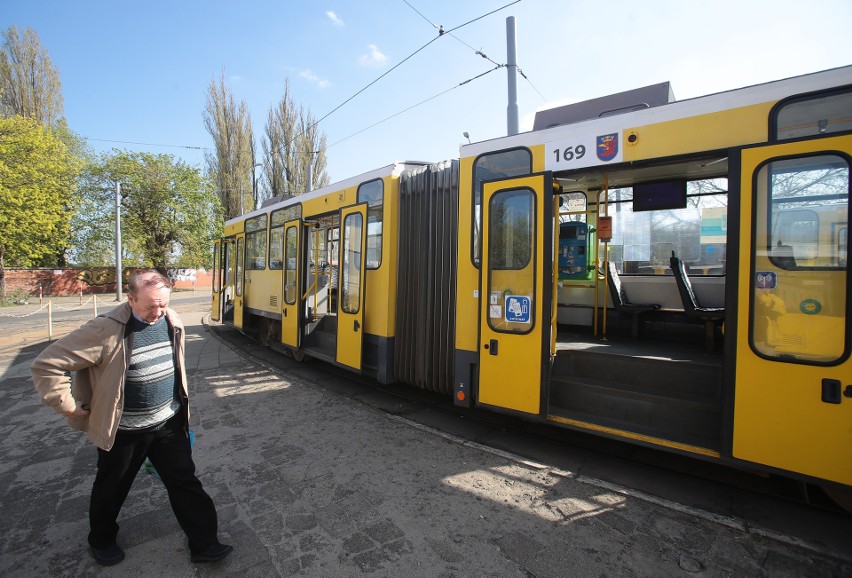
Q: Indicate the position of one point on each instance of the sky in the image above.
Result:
(385, 83)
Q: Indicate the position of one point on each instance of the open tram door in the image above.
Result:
(216, 305)
(350, 301)
(223, 288)
(516, 292)
(292, 306)
(238, 268)
(793, 398)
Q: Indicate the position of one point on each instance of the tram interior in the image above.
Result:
(655, 370)
(320, 315)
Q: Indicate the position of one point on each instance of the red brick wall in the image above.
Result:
(59, 282)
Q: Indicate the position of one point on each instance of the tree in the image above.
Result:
(36, 174)
(170, 212)
(29, 83)
(292, 142)
(232, 165)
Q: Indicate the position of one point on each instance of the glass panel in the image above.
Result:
(511, 229)
(814, 116)
(256, 242)
(372, 193)
(276, 248)
(256, 224)
(229, 262)
(290, 272)
(256, 250)
(216, 257)
(499, 165)
(643, 242)
(351, 267)
(290, 213)
(800, 279)
(239, 280)
(511, 264)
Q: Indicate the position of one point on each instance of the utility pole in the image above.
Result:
(118, 268)
(512, 71)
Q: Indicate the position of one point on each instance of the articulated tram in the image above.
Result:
(668, 273)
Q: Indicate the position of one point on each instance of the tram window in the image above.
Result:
(511, 229)
(799, 288)
(256, 243)
(238, 282)
(216, 251)
(807, 203)
(228, 265)
(511, 163)
(276, 248)
(812, 115)
(281, 216)
(350, 288)
(372, 193)
(643, 242)
(291, 260)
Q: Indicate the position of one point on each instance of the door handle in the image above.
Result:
(831, 390)
(492, 347)
(356, 326)
(285, 312)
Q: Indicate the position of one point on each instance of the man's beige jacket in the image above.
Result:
(98, 354)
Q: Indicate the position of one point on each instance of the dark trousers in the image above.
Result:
(169, 451)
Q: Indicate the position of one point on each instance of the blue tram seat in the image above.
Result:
(712, 316)
(623, 304)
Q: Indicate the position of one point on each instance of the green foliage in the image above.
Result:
(37, 176)
(29, 83)
(169, 212)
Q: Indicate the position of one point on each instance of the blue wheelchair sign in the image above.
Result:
(518, 309)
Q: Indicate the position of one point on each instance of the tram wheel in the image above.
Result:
(297, 354)
(841, 497)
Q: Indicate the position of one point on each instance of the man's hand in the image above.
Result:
(78, 411)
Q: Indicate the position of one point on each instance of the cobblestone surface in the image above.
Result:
(310, 483)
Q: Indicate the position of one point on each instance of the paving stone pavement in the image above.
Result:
(311, 483)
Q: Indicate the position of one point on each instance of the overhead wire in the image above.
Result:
(433, 97)
(477, 52)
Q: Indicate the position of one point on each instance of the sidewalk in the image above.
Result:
(311, 483)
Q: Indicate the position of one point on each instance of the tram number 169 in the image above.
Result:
(570, 153)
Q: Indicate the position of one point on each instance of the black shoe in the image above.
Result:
(109, 556)
(212, 554)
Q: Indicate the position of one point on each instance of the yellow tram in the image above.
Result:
(668, 273)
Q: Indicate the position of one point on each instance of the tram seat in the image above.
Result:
(623, 304)
(712, 316)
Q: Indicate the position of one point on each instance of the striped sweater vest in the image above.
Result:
(150, 387)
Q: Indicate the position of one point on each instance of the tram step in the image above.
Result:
(686, 380)
(685, 422)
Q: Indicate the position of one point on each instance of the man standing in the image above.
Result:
(130, 396)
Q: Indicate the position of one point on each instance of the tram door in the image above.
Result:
(225, 286)
(216, 306)
(793, 399)
(350, 301)
(290, 314)
(239, 268)
(516, 292)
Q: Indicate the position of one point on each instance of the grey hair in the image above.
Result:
(145, 278)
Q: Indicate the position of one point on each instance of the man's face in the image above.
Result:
(150, 303)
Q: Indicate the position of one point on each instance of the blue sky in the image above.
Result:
(138, 72)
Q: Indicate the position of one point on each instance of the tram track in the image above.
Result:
(542, 446)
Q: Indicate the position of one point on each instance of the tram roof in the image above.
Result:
(662, 112)
(394, 169)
